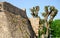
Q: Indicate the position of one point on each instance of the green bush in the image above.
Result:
(55, 26)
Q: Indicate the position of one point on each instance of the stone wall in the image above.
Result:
(9, 7)
(4, 30)
(14, 22)
(35, 24)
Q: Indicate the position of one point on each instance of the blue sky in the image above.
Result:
(30, 3)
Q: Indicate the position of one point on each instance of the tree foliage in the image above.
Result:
(34, 11)
(55, 26)
(44, 24)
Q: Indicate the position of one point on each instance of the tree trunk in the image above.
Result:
(42, 36)
(47, 30)
(47, 26)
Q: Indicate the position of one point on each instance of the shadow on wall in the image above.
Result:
(33, 35)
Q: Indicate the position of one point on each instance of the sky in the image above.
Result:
(31, 3)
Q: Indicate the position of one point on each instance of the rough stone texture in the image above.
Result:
(14, 22)
(4, 31)
(35, 24)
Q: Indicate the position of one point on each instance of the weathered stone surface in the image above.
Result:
(35, 24)
(14, 23)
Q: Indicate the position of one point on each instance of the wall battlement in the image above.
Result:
(4, 6)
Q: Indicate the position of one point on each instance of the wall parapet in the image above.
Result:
(10, 8)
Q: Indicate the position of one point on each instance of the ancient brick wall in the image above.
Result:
(14, 22)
